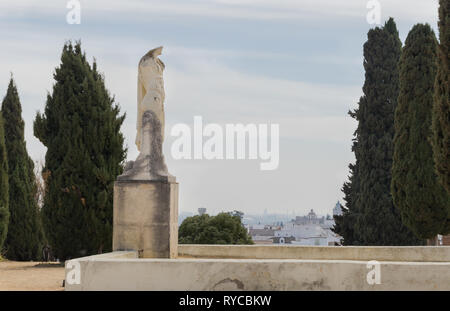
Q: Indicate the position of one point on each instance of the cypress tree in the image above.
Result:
(25, 236)
(4, 187)
(421, 199)
(81, 130)
(441, 108)
(344, 224)
(369, 217)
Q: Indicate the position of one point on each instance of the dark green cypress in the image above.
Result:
(81, 130)
(4, 187)
(25, 236)
(418, 195)
(370, 217)
(441, 108)
(344, 224)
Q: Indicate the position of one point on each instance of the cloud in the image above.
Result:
(203, 87)
(417, 10)
(208, 76)
(196, 84)
(355, 8)
(312, 120)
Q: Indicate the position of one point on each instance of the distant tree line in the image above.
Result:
(398, 188)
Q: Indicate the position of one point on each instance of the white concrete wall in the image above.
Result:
(361, 253)
(256, 274)
(311, 242)
(400, 268)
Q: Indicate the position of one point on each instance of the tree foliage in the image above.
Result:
(81, 129)
(423, 202)
(25, 235)
(441, 108)
(344, 223)
(4, 187)
(369, 217)
(221, 229)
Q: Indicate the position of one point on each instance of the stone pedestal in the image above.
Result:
(146, 218)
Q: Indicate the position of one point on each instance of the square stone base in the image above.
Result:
(146, 218)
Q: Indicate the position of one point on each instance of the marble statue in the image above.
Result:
(150, 164)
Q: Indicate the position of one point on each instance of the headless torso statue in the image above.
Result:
(150, 164)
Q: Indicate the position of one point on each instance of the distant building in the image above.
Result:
(283, 240)
(310, 219)
(201, 211)
(262, 234)
(258, 226)
(268, 219)
(309, 234)
(310, 229)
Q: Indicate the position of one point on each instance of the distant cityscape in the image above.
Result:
(310, 229)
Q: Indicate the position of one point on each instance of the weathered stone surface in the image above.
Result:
(362, 253)
(150, 164)
(146, 218)
(120, 273)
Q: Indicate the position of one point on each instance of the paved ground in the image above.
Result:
(31, 276)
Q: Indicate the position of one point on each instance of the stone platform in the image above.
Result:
(266, 268)
(146, 218)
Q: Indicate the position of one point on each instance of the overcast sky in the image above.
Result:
(297, 63)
